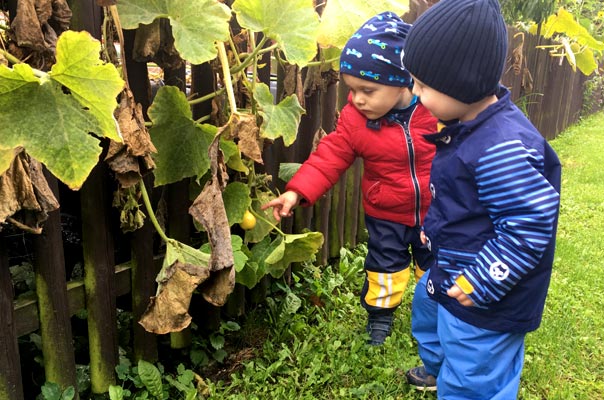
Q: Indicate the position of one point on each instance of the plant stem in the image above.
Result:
(260, 217)
(321, 62)
(252, 56)
(150, 212)
(228, 83)
(207, 97)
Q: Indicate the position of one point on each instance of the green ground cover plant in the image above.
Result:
(315, 347)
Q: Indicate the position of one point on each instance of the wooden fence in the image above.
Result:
(551, 94)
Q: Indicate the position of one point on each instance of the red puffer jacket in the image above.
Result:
(396, 160)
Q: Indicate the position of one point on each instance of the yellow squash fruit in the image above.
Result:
(248, 222)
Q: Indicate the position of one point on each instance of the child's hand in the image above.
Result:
(283, 205)
(456, 292)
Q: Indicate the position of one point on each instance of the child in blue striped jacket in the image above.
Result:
(495, 185)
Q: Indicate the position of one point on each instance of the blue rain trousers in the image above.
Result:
(468, 362)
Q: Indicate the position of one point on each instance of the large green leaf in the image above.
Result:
(279, 120)
(341, 18)
(49, 123)
(239, 255)
(565, 23)
(249, 276)
(293, 24)
(563, 27)
(255, 267)
(236, 198)
(182, 145)
(293, 248)
(93, 83)
(196, 24)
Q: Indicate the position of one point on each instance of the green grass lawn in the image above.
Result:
(315, 342)
(565, 357)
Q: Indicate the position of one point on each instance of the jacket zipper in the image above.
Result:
(411, 152)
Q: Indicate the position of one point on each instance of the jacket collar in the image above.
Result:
(455, 128)
(393, 116)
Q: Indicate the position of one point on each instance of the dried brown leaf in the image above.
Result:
(244, 128)
(208, 209)
(27, 25)
(131, 159)
(219, 286)
(61, 15)
(146, 42)
(292, 83)
(168, 311)
(25, 197)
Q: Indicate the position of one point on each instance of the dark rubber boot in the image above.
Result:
(378, 328)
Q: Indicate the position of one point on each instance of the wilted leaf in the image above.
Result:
(168, 312)
(341, 18)
(208, 209)
(131, 159)
(183, 270)
(25, 198)
(293, 24)
(93, 83)
(217, 288)
(178, 137)
(279, 120)
(294, 248)
(249, 135)
(196, 25)
(27, 26)
(236, 197)
(244, 128)
(58, 136)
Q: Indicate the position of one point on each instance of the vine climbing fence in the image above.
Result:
(86, 232)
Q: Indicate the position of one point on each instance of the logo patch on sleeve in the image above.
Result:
(499, 271)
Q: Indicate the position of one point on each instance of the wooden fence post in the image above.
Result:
(99, 280)
(143, 268)
(11, 386)
(51, 290)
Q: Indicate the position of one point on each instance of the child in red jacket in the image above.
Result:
(383, 124)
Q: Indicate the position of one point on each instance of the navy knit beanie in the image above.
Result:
(458, 47)
(375, 51)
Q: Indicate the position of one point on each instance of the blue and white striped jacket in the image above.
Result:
(495, 183)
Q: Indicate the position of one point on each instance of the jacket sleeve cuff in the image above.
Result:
(472, 289)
